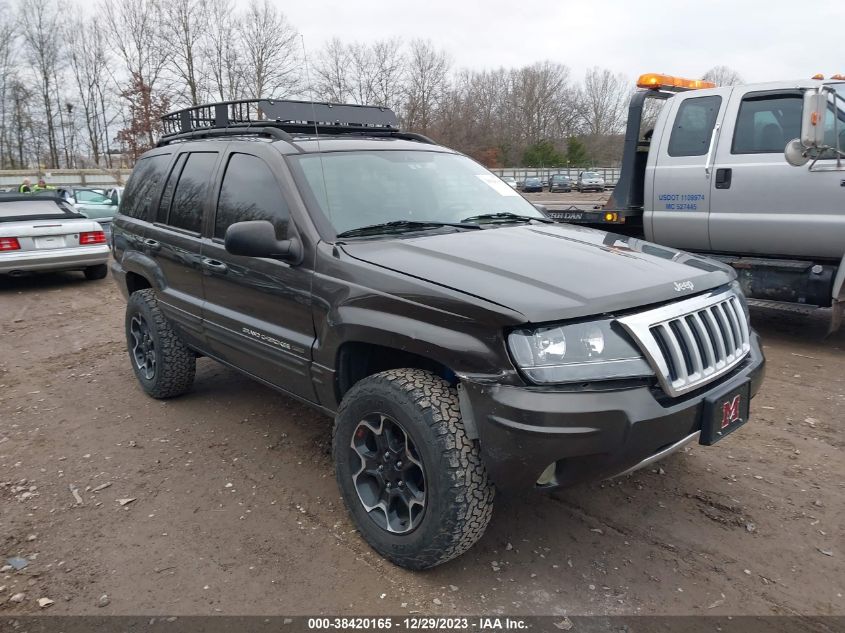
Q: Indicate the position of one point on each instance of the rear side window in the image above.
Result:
(143, 185)
(766, 123)
(250, 192)
(186, 209)
(169, 188)
(693, 126)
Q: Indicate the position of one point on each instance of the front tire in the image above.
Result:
(163, 364)
(412, 480)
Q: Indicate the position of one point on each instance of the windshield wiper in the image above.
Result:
(400, 226)
(505, 216)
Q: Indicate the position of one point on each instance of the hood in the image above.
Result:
(548, 272)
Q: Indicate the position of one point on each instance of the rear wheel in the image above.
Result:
(413, 481)
(162, 363)
(96, 272)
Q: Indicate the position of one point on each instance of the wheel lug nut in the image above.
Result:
(387, 456)
(401, 484)
(388, 485)
(380, 468)
(399, 464)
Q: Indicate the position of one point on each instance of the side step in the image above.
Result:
(796, 308)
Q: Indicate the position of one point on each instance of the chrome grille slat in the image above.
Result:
(692, 342)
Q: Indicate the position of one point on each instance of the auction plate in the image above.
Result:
(724, 413)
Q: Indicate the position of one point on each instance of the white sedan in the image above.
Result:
(40, 233)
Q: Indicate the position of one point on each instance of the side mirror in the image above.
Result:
(257, 238)
(812, 119)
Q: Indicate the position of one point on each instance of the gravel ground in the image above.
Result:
(234, 508)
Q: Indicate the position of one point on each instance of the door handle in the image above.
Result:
(153, 245)
(214, 266)
(723, 177)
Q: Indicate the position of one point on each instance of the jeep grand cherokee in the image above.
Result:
(462, 342)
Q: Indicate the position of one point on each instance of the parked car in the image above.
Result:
(43, 233)
(91, 203)
(510, 180)
(115, 194)
(433, 323)
(589, 181)
(532, 185)
(559, 182)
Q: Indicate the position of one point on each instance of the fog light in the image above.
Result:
(548, 476)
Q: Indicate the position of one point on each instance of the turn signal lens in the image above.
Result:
(611, 217)
(9, 244)
(92, 237)
(818, 76)
(656, 81)
(837, 77)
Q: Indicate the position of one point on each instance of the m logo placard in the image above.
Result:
(730, 411)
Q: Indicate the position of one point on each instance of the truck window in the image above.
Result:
(142, 186)
(250, 192)
(186, 210)
(693, 126)
(169, 186)
(766, 123)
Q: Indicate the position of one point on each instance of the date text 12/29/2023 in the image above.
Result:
(681, 201)
(419, 623)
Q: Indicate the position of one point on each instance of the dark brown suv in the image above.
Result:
(461, 340)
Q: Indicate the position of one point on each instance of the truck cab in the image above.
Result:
(709, 174)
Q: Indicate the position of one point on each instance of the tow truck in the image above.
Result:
(751, 175)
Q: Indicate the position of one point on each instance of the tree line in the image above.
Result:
(82, 88)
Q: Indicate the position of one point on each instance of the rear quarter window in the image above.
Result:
(143, 186)
(693, 126)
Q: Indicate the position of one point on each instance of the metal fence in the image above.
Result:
(610, 174)
(116, 177)
(67, 177)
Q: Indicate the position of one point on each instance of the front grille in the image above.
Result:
(692, 342)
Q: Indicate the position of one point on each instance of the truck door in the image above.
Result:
(760, 203)
(680, 196)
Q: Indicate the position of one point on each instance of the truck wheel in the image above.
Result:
(162, 363)
(96, 272)
(413, 482)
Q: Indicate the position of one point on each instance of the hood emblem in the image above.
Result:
(684, 285)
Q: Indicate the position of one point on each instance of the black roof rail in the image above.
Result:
(281, 119)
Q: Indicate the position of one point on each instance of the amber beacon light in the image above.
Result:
(657, 81)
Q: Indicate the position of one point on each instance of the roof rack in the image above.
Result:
(281, 119)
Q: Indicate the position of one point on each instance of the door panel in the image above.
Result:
(682, 178)
(771, 207)
(258, 310)
(174, 241)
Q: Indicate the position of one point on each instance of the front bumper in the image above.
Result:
(74, 258)
(588, 434)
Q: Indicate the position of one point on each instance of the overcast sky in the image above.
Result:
(762, 40)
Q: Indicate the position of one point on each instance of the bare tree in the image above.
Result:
(39, 26)
(185, 25)
(271, 50)
(389, 72)
(8, 55)
(88, 61)
(331, 72)
(134, 26)
(223, 52)
(723, 76)
(428, 82)
(603, 101)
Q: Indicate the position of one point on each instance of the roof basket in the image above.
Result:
(302, 117)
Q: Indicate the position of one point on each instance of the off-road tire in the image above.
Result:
(96, 272)
(175, 362)
(459, 496)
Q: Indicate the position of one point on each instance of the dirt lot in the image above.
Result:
(236, 509)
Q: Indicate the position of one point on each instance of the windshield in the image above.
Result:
(357, 189)
(590, 174)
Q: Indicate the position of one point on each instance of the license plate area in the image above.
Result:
(724, 413)
(51, 241)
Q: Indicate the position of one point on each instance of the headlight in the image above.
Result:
(576, 353)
